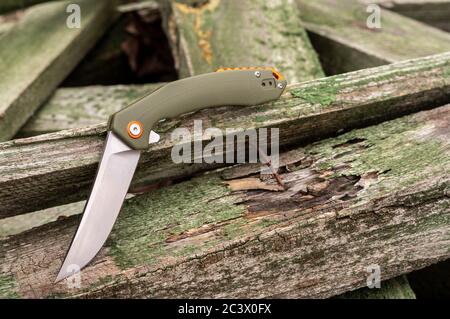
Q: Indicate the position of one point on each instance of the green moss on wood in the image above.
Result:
(363, 97)
(246, 33)
(8, 287)
(10, 5)
(39, 52)
(147, 221)
(161, 225)
(82, 106)
(402, 152)
(323, 94)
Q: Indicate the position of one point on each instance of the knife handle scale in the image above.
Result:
(228, 87)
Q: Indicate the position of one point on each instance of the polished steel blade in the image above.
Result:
(108, 193)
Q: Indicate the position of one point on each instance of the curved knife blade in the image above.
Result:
(111, 184)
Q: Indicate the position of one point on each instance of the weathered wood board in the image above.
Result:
(347, 49)
(39, 51)
(10, 5)
(432, 12)
(306, 64)
(59, 168)
(240, 33)
(58, 108)
(77, 107)
(345, 43)
(345, 187)
(18, 224)
(7, 21)
(378, 195)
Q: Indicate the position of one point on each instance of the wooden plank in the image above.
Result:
(372, 196)
(85, 102)
(18, 224)
(10, 5)
(78, 115)
(240, 33)
(340, 35)
(38, 52)
(58, 168)
(71, 108)
(433, 12)
(38, 125)
(7, 21)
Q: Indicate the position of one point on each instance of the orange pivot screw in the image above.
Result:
(135, 129)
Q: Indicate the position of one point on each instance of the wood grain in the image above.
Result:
(10, 5)
(354, 48)
(77, 107)
(339, 32)
(58, 168)
(372, 196)
(222, 33)
(39, 51)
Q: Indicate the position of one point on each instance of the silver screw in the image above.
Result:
(280, 86)
(257, 74)
(135, 129)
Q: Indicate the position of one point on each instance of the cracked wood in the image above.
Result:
(284, 45)
(377, 195)
(220, 33)
(58, 168)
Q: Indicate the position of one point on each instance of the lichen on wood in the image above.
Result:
(284, 45)
(219, 33)
(10, 5)
(39, 51)
(82, 106)
(198, 238)
(65, 162)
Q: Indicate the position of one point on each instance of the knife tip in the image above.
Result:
(61, 276)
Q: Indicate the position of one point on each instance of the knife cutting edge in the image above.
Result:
(130, 132)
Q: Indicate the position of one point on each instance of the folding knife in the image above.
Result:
(130, 132)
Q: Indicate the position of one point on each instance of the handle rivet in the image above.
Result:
(257, 74)
(280, 86)
(135, 129)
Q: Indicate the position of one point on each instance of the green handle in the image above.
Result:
(241, 87)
